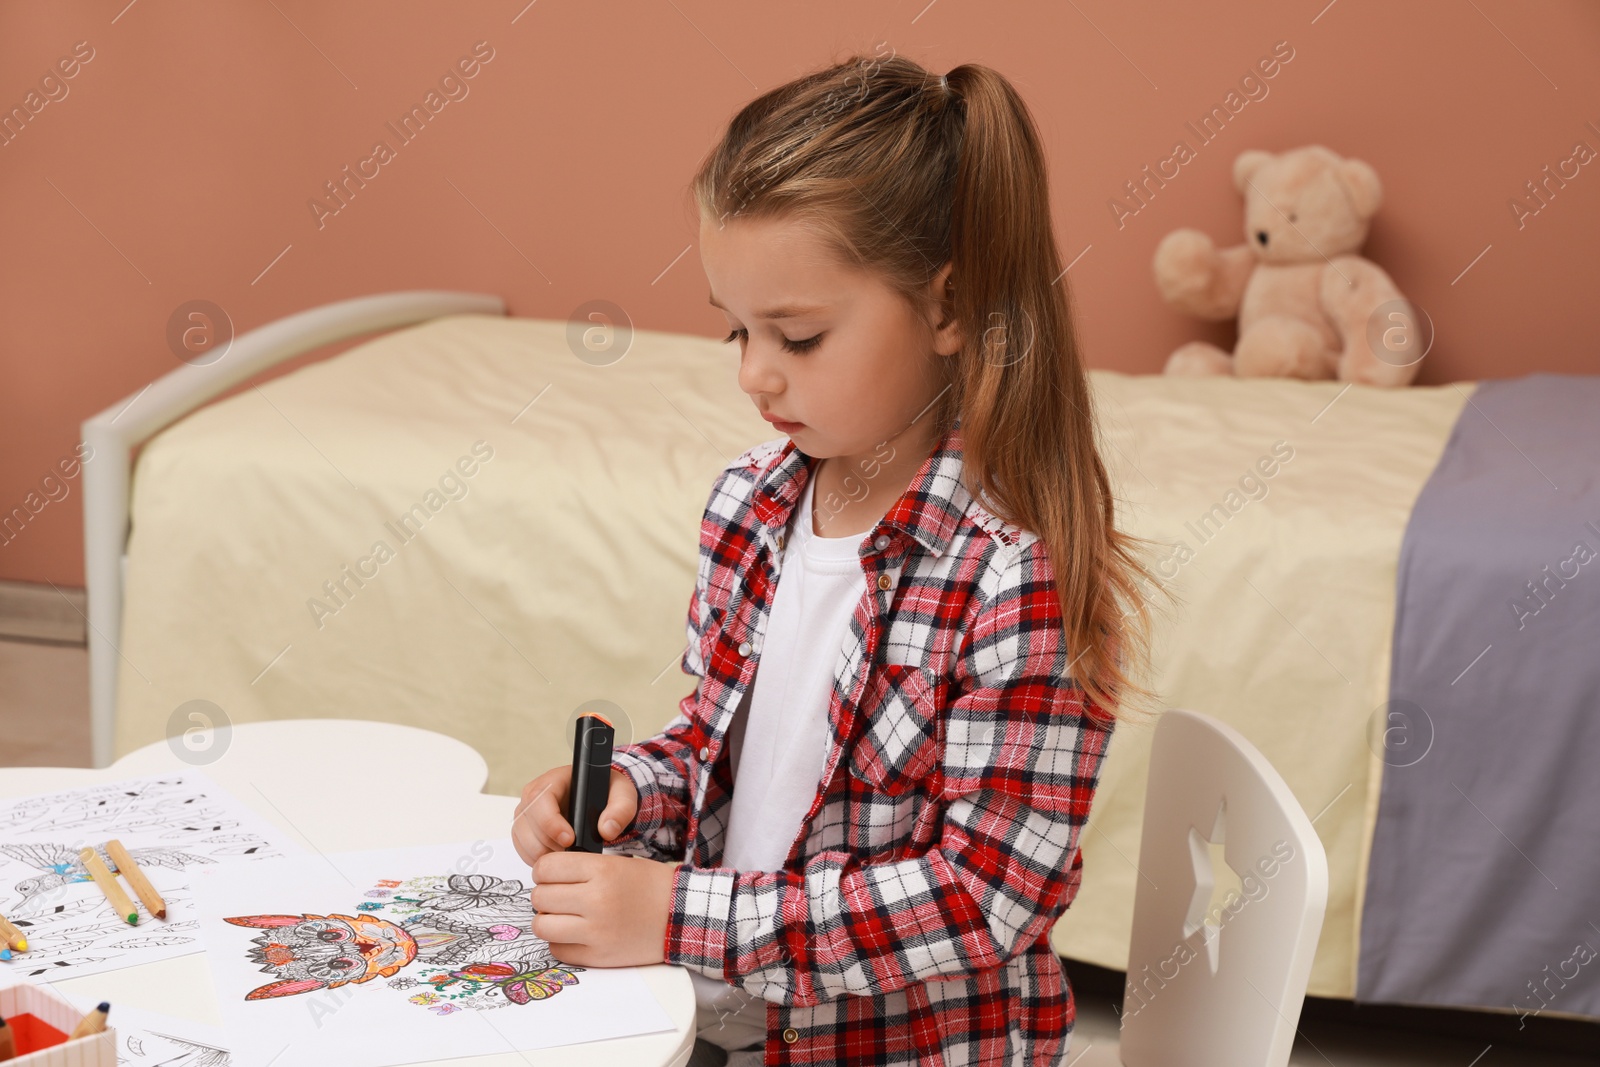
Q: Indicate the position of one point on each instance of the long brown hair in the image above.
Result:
(904, 171)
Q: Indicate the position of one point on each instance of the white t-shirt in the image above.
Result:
(779, 759)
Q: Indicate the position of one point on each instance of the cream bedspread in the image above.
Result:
(1286, 607)
(464, 526)
(559, 571)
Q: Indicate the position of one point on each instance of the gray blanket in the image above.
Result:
(1484, 882)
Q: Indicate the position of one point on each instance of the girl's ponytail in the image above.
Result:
(1023, 396)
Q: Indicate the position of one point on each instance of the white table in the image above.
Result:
(262, 765)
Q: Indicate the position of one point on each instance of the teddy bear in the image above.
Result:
(1308, 305)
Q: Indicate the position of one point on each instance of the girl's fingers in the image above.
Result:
(560, 866)
(538, 826)
(572, 955)
(558, 898)
(555, 829)
(562, 928)
(621, 805)
(528, 842)
(532, 840)
(546, 811)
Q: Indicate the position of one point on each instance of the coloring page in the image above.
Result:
(397, 956)
(170, 825)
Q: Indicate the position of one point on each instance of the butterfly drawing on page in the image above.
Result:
(519, 987)
(470, 936)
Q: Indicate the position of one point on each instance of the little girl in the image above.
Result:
(914, 618)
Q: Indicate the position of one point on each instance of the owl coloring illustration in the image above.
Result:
(312, 952)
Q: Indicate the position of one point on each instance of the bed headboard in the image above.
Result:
(113, 433)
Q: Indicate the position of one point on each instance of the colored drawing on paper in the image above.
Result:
(398, 955)
(312, 952)
(469, 936)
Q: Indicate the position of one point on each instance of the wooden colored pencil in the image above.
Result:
(109, 885)
(141, 885)
(93, 1023)
(8, 1042)
(12, 935)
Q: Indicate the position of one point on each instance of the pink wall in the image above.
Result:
(180, 161)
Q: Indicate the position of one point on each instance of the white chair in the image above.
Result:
(1217, 985)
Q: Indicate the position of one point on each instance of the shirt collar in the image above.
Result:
(929, 510)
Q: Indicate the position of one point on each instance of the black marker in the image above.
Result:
(591, 781)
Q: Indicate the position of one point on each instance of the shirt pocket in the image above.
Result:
(902, 736)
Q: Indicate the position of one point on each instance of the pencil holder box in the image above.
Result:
(40, 1021)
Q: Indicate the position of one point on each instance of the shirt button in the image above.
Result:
(881, 543)
(705, 753)
(780, 540)
(884, 581)
(790, 1036)
(744, 648)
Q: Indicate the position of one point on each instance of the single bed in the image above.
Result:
(475, 525)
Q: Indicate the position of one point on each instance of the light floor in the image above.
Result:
(44, 722)
(44, 705)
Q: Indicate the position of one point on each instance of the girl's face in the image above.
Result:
(832, 352)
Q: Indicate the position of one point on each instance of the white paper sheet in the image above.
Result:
(369, 959)
(170, 824)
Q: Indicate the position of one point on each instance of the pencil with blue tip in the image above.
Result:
(13, 936)
(109, 886)
(92, 1023)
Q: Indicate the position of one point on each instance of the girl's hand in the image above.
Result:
(602, 911)
(540, 824)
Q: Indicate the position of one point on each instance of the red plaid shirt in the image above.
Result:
(910, 923)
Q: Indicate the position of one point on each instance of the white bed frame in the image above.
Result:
(114, 432)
